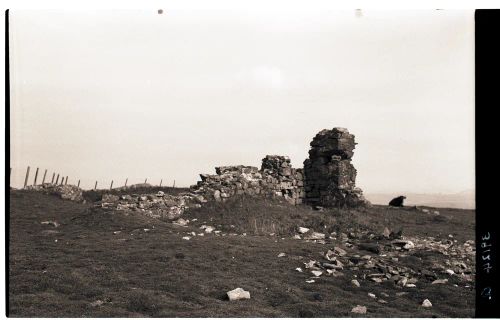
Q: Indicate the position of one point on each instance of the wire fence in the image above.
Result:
(60, 179)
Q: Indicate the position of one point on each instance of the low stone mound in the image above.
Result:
(157, 205)
(67, 191)
(134, 186)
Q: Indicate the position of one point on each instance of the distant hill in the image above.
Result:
(461, 200)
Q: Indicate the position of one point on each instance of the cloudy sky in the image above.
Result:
(109, 95)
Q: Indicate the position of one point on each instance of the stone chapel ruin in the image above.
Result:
(327, 179)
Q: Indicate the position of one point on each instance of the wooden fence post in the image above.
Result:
(95, 187)
(44, 174)
(53, 176)
(146, 180)
(57, 179)
(78, 184)
(161, 182)
(126, 180)
(111, 186)
(27, 175)
(36, 177)
(66, 181)
(173, 185)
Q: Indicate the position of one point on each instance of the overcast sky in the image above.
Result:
(114, 94)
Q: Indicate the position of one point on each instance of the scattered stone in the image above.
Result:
(116, 232)
(341, 252)
(355, 282)
(181, 222)
(405, 244)
(238, 294)
(186, 238)
(334, 273)
(372, 247)
(315, 236)
(52, 223)
(450, 272)
(371, 295)
(160, 194)
(440, 281)
(310, 281)
(403, 281)
(381, 301)
(359, 309)
(330, 255)
(310, 264)
(410, 285)
(426, 303)
(209, 229)
(412, 280)
(386, 232)
(303, 230)
(298, 269)
(316, 273)
(281, 255)
(409, 245)
(297, 237)
(96, 303)
(336, 264)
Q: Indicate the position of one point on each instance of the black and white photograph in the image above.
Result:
(229, 163)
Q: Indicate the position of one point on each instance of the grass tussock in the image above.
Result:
(261, 216)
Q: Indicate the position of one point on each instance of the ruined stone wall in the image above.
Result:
(276, 178)
(330, 175)
(327, 179)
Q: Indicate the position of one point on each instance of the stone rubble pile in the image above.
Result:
(389, 263)
(159, 205)
(330, 175)
(67, 191)
(276, 178)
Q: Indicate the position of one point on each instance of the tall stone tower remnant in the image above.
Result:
(329, 174)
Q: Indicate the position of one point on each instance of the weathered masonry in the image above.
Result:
(327, 179)
(330, 175)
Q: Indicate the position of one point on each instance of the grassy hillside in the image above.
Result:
(107, 264)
